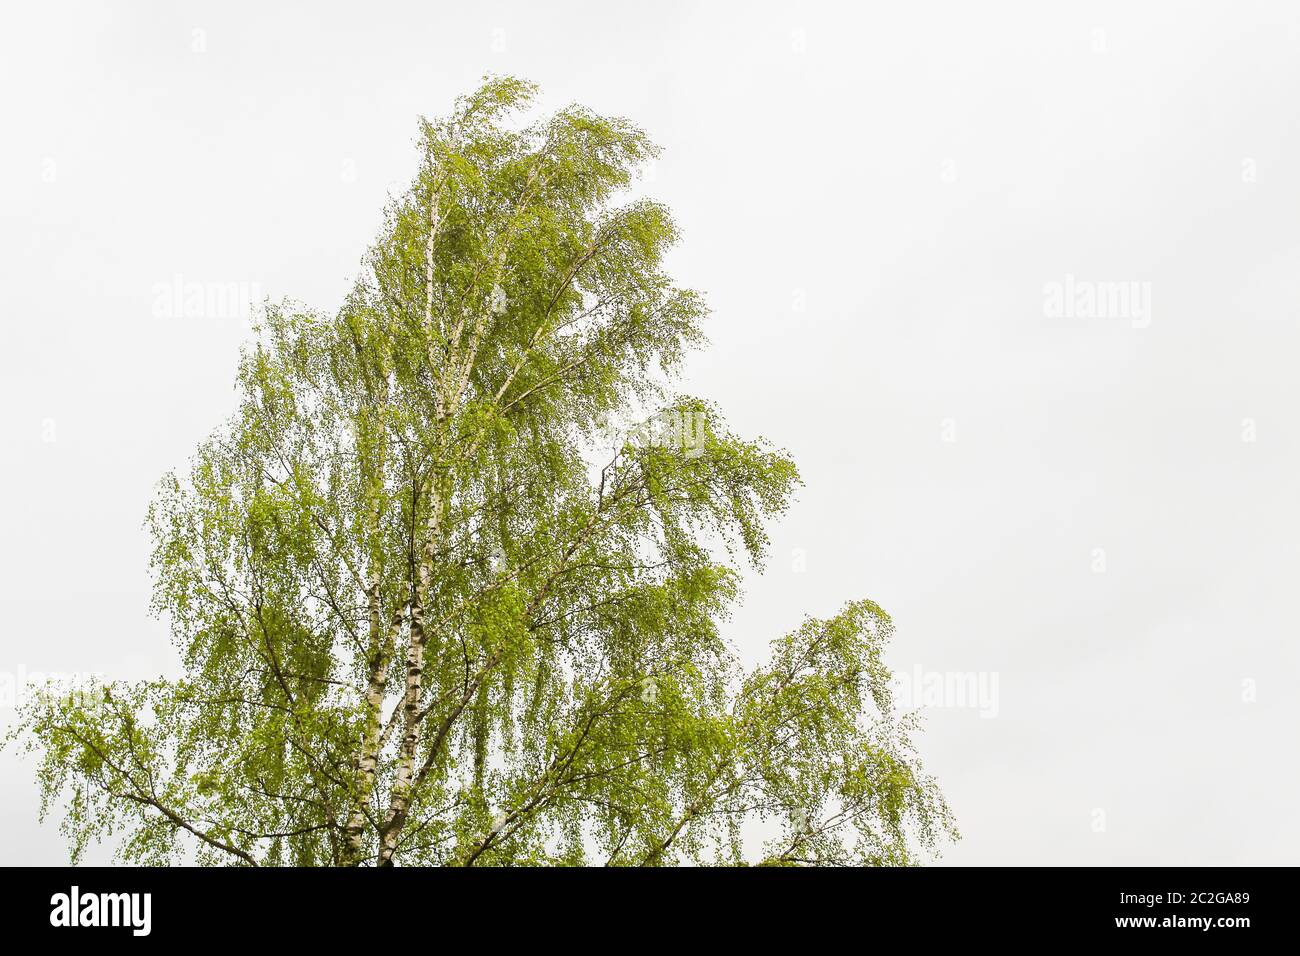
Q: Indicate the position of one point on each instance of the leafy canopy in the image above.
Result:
(424, 620)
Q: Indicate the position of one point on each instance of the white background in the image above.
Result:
(913, 175)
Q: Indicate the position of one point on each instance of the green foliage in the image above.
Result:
(422, 621)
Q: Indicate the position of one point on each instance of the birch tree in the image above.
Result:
(436, 606)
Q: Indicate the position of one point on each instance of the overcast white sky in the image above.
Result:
(874, 198)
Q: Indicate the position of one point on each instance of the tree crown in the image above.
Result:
(435, 606)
